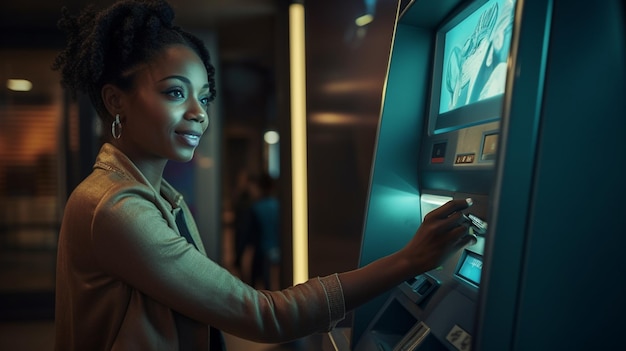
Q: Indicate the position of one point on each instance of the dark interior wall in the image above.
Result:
(346, 70)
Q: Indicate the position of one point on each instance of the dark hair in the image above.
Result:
(103, 47)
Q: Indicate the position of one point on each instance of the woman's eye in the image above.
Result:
(175, 93)
(204, 101)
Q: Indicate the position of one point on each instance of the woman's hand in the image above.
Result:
(439, 236)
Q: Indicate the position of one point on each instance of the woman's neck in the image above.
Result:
(153, 171)
(152, 168)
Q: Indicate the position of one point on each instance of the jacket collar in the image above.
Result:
(112, 159)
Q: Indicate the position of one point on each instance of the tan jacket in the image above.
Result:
(123, 270)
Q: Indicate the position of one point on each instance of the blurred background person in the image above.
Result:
(244, 195)
(265, 233)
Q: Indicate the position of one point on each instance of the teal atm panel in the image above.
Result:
(409, 160)
(553, 194)
(554, 278)
(393, 210)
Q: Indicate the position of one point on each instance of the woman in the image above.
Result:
(132, 273)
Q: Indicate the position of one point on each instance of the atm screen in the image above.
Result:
(471, 66)
(470, 267)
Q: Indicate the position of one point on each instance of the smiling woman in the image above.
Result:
(132, 270)
(165, 114)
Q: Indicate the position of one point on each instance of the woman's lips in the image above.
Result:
(190, 138)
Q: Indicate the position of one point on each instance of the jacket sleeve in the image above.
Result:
(133, 242)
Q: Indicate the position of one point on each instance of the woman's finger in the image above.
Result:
(451, 207)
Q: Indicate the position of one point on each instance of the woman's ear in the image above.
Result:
(112, 98)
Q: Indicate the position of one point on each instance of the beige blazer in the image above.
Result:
(127, 280)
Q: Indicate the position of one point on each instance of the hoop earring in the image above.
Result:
(116, 127)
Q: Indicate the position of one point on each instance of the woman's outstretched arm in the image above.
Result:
(439, 236)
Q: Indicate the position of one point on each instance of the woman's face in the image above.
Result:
(165, 113)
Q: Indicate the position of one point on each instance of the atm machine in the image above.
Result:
(520, 105)
(438, 140)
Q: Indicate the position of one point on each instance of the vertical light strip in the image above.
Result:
(298, 144)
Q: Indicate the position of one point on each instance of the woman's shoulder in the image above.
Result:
(104, 186)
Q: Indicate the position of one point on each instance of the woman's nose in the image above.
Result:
(197, 113)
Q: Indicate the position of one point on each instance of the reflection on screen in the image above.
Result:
(475, 54)
(471, 268)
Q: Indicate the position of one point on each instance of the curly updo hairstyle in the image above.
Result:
(104, 47)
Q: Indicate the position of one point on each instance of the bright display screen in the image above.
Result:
(471, 268)
(475, 55)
